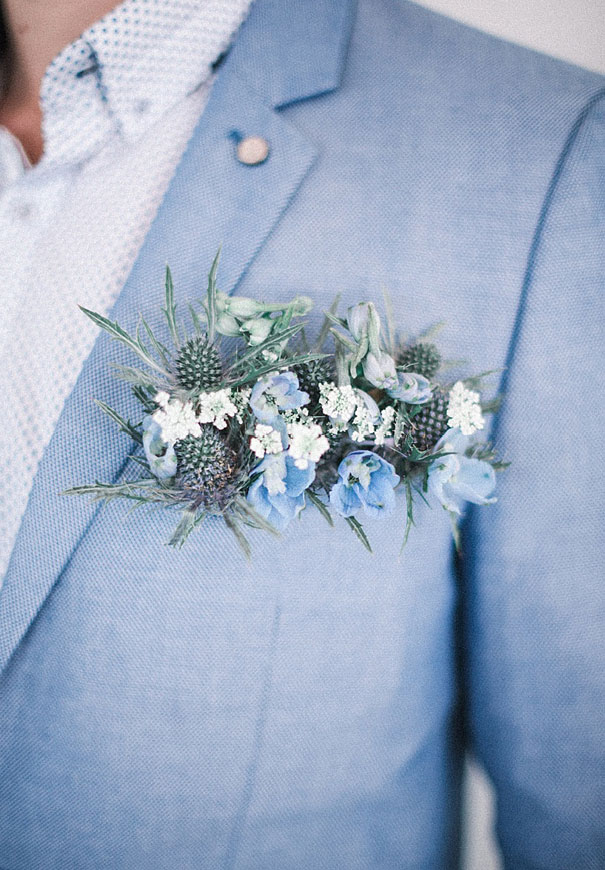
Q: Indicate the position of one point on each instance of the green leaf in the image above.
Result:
(329, 317)
(211, 298)
(254, 374)
(400, 420)
(358, 529)
(233, 526)
(189, 521)
(493, 406)
(409, 504)
(135, 376)
(159, 348)
(432, 331)
(145, 397)
(110, 491)
(321, 507)
(118, 334)
(346, 342)
(475, 381)
(170, 310)
(455, 530)
(422, 495)
(337, 321)
(195, 319)
(252, 518)
(125, 425)
(274, 339)
(390, 319)
(140, 461)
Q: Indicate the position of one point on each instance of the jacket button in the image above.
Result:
(252, 150)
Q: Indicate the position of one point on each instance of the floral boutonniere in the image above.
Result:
(275, 425)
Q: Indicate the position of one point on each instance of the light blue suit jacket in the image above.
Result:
(177, 710)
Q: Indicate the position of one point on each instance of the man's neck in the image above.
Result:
(37, 31)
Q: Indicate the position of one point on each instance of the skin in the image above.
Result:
(37, 30)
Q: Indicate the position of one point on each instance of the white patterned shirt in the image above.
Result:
(119, 106)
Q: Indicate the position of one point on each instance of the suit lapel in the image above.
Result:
(283, 53)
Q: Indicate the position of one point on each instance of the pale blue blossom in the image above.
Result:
(412, 388)
(366, 481)
(275, 393)
(278, 492)
(159, 453)
(456, 478)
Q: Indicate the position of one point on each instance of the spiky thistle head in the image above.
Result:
(206, 467)
(426, 428)
(313, 373)
(198, 365)
(422, 358)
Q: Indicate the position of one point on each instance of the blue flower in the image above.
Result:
(412, 388)
(366, 481)
(275, 393)
(159, 453)
(278, 492)
(457, 478)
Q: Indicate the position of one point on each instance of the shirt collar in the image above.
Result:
(123, 73)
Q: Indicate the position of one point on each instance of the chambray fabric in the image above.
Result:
(306, 710)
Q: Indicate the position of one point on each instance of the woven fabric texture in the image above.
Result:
(119, 105)
(170, 710)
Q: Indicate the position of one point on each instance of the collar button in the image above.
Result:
(252, 150)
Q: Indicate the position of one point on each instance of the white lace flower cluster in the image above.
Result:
(306, 443)
(353, 409)
(304, 440)
(266, 439)
(464, 409)
(215, 407)
(178, 419)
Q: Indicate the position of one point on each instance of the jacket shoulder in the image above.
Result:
(448, 63)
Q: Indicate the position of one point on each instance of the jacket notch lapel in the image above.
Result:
(212, 200)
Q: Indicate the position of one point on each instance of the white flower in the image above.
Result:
(240, 399)
(337, 403)
(176, 419)
(384, 430)
(295, 415)
(216, 407)
(307, 443)
(266, 439)
(464, 410)
(366, 417)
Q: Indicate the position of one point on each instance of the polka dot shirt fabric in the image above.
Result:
(119, 106)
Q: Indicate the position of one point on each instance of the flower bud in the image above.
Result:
(227, 325)
(242, 307)
(301, 305)
(363, 322)
(257, 330)
(379, 369)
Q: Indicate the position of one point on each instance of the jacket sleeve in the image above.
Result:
(533, 579)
